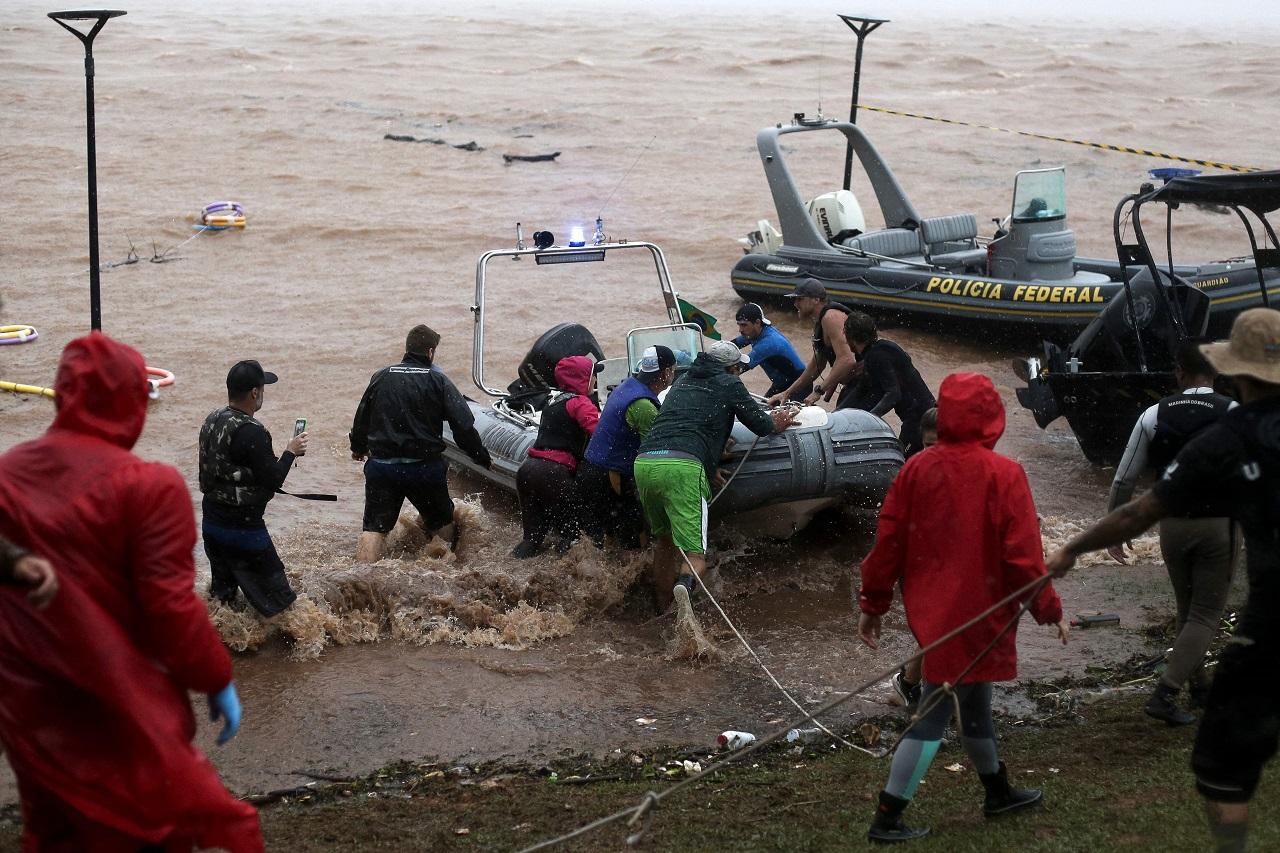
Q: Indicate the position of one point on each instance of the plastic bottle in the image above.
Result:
(735, 740)
(808, 735)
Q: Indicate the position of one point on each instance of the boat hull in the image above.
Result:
(1049, 306)
(850, 460)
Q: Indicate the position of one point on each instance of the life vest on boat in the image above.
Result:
(1178, 418)
(615, 444)
(820, 345)
(558, 430)
(220, 477)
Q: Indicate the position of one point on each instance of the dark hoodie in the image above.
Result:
(94, 708)
(698, 414)
(960, 530)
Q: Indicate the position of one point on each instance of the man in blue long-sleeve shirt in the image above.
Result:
(770, 350)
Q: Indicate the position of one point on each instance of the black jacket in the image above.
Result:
(402, 415)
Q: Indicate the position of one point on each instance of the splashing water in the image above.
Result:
(423, 593)
(1055, 530)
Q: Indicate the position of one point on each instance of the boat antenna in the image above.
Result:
(624, 176)
(822, 61)
(862, 27)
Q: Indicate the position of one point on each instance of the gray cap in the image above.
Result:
(811, 288)
(726, 354)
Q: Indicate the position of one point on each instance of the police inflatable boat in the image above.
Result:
(845, 457)
(1123, 361)
(1026, 274)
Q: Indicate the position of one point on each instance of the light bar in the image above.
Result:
(569, 257)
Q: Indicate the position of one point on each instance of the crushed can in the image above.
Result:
(735, 740)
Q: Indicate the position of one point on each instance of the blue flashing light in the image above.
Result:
(576, 239)
(1168, 173)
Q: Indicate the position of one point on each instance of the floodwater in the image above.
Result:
(353, 238)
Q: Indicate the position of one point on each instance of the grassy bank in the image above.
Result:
(1113, 780)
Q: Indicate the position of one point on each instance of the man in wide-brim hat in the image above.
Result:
(1230, 469)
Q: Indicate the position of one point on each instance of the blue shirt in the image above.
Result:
(772, 351)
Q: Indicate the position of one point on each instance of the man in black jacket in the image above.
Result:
(890, 382)
(239, 475)
(399, 428)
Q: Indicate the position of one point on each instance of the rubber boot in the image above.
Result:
(1162, 706)
(887, 827)
(1002, 797)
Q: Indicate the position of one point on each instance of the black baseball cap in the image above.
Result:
(246, 375)
(811, 288)
(752, 313)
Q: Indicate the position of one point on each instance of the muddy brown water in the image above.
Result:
(353, 238)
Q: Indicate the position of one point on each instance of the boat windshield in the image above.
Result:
(685, 341)
(1039, 195)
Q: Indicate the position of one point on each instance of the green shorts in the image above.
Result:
(674, 495)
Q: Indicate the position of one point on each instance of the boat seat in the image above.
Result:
(952, 241)
(890, 242)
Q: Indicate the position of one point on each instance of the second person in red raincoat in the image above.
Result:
(959, 530)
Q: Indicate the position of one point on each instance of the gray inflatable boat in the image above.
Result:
(827, 458)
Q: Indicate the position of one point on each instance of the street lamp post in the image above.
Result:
(100, 17)
(862, 27)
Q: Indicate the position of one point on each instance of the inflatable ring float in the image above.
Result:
(19, 334)
(161, 377)
(221, 207)
(224, 220)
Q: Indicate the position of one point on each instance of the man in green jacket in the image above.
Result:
(678, 458)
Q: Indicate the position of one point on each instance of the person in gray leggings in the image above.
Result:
(1200, 553)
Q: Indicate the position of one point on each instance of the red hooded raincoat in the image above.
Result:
(959, 528)
(94, 707)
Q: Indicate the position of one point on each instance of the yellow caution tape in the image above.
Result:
(1212, 164)
(19, 388)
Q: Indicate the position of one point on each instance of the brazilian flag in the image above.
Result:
(690, 313)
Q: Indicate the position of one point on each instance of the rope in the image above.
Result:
(756, 658)
(653, 799)
(741, 462)
(738, 634)
(1124, 149)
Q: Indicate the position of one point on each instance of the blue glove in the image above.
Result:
(226, 704)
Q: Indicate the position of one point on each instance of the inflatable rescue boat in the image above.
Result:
(826, 458)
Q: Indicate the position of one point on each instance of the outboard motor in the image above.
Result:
(536, 374)
(1109, 344)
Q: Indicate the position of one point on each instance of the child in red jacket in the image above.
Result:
(959, 529)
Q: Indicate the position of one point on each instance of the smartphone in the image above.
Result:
(299, 426)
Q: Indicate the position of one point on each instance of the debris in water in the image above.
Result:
(530, 158)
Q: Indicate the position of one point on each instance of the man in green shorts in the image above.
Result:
(677, 462)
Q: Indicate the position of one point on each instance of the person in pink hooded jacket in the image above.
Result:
(545, 481)
(959, 530)
(95, 707)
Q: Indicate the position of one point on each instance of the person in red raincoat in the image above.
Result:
(959, 530)
(94, 710)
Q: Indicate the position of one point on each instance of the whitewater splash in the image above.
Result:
(1056, 530)
(422, 593)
